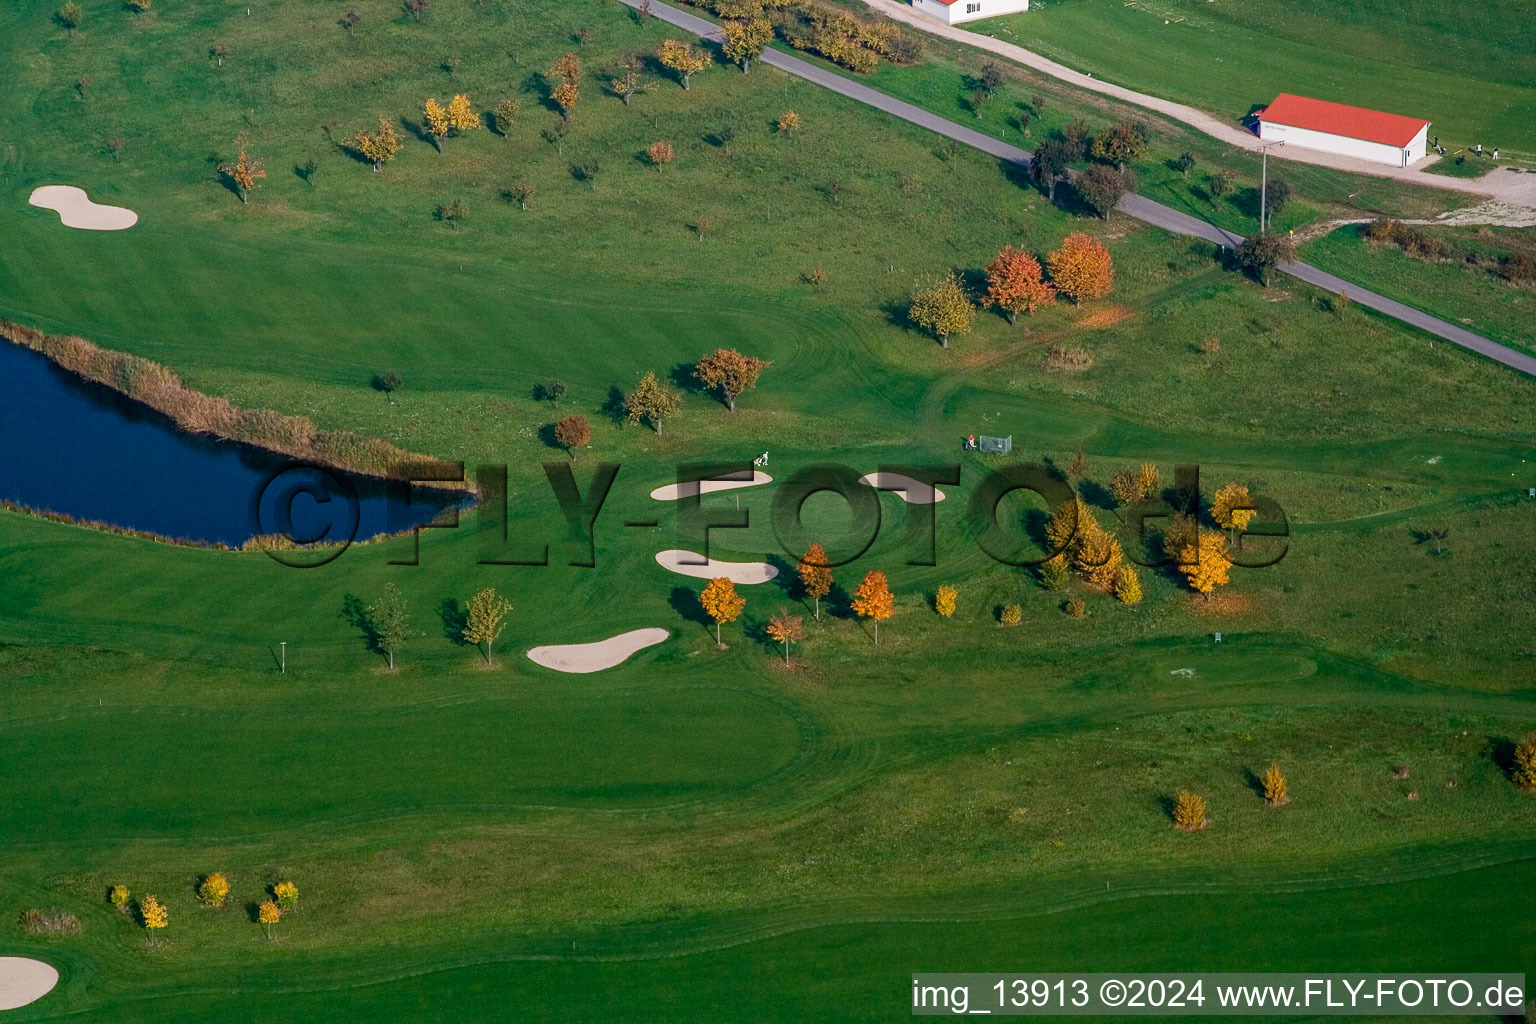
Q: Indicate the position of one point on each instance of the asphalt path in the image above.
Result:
(1139, 207)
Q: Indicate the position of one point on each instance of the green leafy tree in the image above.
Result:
(390, 622)
(1261, 255)
(486, 619)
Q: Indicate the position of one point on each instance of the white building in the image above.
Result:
(1349, 131)
(953, 12)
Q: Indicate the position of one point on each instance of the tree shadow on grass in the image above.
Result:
(1254, 782)
(683, 378)
(454, 619)
(356, 612)
(685, 602)
(1096, 494)
(788, 579)
(613, 406)
(547, 435)
(1501, 751)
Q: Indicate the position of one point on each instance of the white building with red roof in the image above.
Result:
(953, 12)
(1349, 131)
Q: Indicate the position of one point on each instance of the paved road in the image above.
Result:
(1503, 184)
(1139, 207)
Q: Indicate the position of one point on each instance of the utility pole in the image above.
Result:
(1264, 187)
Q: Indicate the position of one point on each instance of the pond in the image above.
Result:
(77, 448)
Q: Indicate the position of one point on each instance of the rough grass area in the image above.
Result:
(1465, 283)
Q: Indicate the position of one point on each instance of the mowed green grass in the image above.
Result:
(721, 818)
(861, 972)
(1466, 69)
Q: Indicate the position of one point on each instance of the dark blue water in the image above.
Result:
(70, 446)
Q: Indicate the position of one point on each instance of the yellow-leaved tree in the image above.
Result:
(873, 600)
(153, 916)
(461, 116)
(1205, 564)
(942, 307)
(944, 600)
(1232, 508)
(745, 40)
(485, 620)
(721, 603)
(682, 58)
(816, 574)
(435, 120)
(268, 915)
(380, 147)
(1099, 557)
(118, 897)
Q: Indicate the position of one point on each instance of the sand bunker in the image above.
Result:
(688, 563)
(76, 210)
(673, 492)
(594, 657)
(24, 981)
(913, 492)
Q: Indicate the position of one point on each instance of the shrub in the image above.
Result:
(1518, 268)
(1189, 812)
(286, 894)
(1054, 575)
(50, 924)
(1076, 608)
(1066, 359)
(1012, 615)
(70, 15)
(1523, 769)
(118, 896)
(944, 600)
(213, 890)
(1275, 790)
(1127, 585)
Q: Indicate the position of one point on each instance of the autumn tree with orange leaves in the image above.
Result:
(245, 171)
(722, 603)
(565, 96)
(729, 372)
(659, 153)
(786, 629)
(1015, 285)
(1205, 563)
(816, 574)
(873, 600)
(1082, 269)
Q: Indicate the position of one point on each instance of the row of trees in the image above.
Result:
(212, 892)
(1081, 269)
(725, 371)
(387, 622)
(872, 599)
